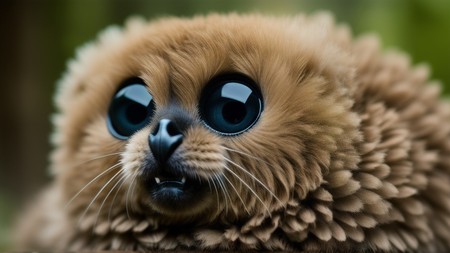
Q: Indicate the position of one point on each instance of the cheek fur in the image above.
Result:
(85, 175)
(261, 183)
(203, 152)
(133, 158)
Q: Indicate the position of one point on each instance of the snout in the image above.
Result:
(170, 183)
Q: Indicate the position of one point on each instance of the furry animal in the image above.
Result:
(245, 132)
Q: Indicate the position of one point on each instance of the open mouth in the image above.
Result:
(170, 191)
(162, 181)
(165, 181)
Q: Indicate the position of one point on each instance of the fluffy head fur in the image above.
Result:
(351, 152)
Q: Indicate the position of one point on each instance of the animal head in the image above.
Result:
(209, 120)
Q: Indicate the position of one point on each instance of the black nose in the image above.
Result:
(164, 140)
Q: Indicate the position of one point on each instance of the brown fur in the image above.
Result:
(354, 144)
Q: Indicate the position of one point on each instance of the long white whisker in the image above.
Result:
(217, 192)
(124, 180)
(106, 197)
(258, 159)
(128, 192)
(224, 187)
(250, 188)
(90, 182)
(96, 158)
(134, 187)
(256, 179)
(237, 193)
(248, 155)
(223, 190)
(98, 193)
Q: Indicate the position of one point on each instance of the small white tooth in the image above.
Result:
(183, 180)
(157, 180)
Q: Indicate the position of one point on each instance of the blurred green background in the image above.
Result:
(38, 36)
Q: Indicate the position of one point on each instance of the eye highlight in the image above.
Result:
(230, 104)
(131, 108)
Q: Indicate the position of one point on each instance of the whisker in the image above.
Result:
(96, 158)
(90, 182)
(98, 194)
(258, 159)
(250, 188)
(257, 180)
(128, 192)
(124, 180)
(106, 197)
(134, 187)
(237, 193)
(248, 155)
(221, 187)
(215, 188)
(224, 187)
(209, 183)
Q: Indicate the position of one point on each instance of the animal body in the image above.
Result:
(237, 132)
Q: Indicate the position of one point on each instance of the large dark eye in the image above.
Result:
(231, 104)
(131, 109)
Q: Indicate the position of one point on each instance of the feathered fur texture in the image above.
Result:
(352, 151)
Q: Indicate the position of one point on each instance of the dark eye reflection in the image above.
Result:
(131, 108)
(231, 104)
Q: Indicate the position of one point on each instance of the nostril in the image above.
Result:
(164, 139)
(168, 126)
(172, 129)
